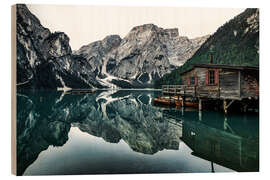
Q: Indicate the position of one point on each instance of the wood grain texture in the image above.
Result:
(13, 91)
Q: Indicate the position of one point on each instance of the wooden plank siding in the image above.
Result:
(229, 84)
(202, 89)
(250, 84)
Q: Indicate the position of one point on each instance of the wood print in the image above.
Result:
(124, 90)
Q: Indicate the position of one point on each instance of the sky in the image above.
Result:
(86, 24)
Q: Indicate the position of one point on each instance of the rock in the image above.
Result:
(95, 53)
(45, 60)
(145, 54)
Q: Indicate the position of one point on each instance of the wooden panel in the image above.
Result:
(249, 85)
(208, 91)
(197, 72)
(229, 84)
(201, 76)
(190, 91)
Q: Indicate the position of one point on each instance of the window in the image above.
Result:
(211, 77)
(192, 80)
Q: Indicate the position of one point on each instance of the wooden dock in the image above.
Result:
(200, 92)
(201, 95)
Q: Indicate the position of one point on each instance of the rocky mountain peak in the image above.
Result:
(145, 54)
(57, 45)
(111, 42)
(173, 32)
(44, 59)
(152, 29)
(253, 22)
(145, 27)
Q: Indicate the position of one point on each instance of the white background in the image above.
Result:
(5, 82)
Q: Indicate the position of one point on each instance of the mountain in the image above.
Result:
(234, 43)
(45, 59)
(144, 55)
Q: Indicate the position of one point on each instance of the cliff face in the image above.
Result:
(145, 54)
(45, 60)
(96, 53)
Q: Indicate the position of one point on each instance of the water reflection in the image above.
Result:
(228, 149)
(45, 119)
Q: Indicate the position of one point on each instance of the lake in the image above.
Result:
(120, 131)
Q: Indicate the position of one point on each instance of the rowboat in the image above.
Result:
(186, 104)
(178, 102)
(191, 104)
(164, 101)
(175, 101)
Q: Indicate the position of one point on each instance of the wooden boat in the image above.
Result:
(178, 102)
(187, 104)
(175, 101)
(164, 101)
(191, 104)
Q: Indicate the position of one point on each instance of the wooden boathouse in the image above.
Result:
(217, 82)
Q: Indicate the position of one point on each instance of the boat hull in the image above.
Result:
(173, 102)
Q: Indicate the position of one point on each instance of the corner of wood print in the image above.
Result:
(13, 91)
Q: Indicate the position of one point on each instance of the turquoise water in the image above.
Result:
(122, 132)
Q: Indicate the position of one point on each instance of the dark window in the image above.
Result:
(211, 77)
(192, 80)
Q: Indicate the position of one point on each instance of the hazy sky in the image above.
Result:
(85, 24)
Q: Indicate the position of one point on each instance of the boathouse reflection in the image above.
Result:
(224, 146)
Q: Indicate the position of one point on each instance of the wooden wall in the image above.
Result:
(229, 84)
(233, 84)
(199, 72)
(203, 90)
(250, 84)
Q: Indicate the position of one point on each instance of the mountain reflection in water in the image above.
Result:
(137, 136)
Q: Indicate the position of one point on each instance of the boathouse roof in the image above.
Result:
(222, 66)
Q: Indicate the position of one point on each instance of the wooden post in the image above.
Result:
(183, 102)
(182, 110)
(225, 106)
(200, 115)
(163, 89)
(200, 104)
(225, 123)
(245, 107)
(212, 167)
(239, 82)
